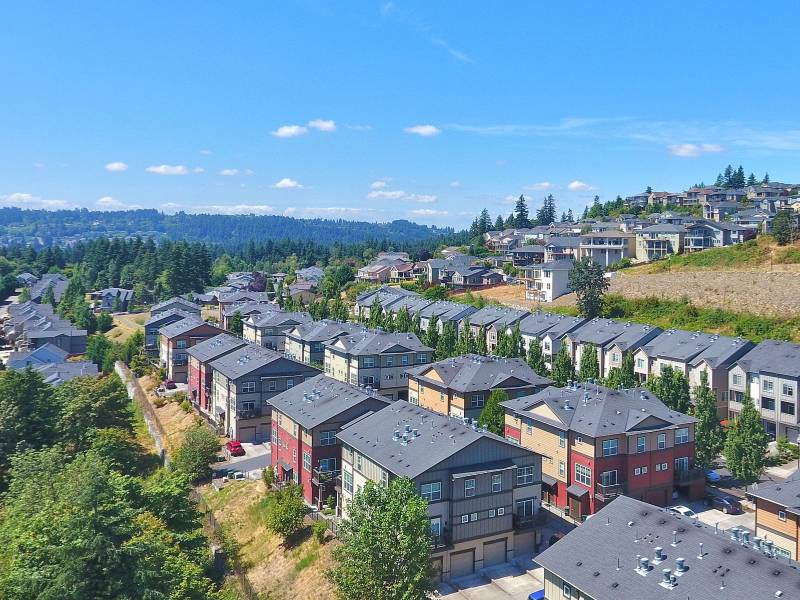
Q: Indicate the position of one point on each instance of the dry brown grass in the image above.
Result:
(173, 419)
(278, 573)
(126, 325)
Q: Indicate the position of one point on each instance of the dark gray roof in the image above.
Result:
(563, 264)
(599, 558)
(664, 228)
(55, 374)
(567, 241)
(694, 347)
(771, 356)
(245, 296)
(249, 358)
(163, 316)
(445, 310)
(472, 372)
(184, 326)
(320, 399)
(216, 346)
(536, 249)
(278, 318)
(375, 342)
(191, 306)
(595, 410)
(322, 331)
(564, 326)
(540, 323)
(440, 437)
(248, 308)
(785, 494)
(604, 332)
(489, 315)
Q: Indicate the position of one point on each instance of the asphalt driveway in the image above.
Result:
(255, 459)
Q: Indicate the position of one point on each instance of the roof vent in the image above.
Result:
(643, 567)
(396, 435)
(680, 565)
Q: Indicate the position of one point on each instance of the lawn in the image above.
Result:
(125, 325)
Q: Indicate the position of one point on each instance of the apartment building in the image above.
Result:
(305, 421)
(152, 326)
(659, 241)
(176, 338)
(549, 329)
(306, 342)
(246, 310)
(376, 359)
(492, 320)
(270, 328)
(173, 304)
(243, 382)
(31, 325)
(778, 515)
(597, 443)
(610, 339)
(483, 492)
(770, 375)
(692, 354)
(385, 296)
(460, 386)
(225, 301)
(201, 376)
(634, 550)
(445, 311)
(608, 246)
(547, 281)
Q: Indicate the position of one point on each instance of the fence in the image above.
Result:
(331, 522)
(138, 395)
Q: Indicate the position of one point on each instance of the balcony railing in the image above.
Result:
(442, 540)
(320, 477)
(689, 475)
(606, 492)
(524, 522)
(248, 414)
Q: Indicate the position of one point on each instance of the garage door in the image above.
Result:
(247, 434)
(494, 553)
(462, 563)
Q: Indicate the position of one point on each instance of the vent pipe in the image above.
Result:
(680, 565)
(659, 554)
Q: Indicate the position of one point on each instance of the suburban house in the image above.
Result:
(176, 338)
(754, 218)
(246, 310)
(385, 295)
(560, 248)
(56, 281)
(704, 234)
(659, 241)
(547, 281)
(201, 377)
(403, 272)
(48, 353)
(51, 363)
(778, 515)
(379, 270)
(377, 360)
(633, 550)
(692, 354)
(770, 375)
(305, 421)
(607, 247)
(487, 317)
(270, 329)
(527, 255)
(175, 303)
(303, 291)
(611, 340)
(483, 492)
(31, 325)
(718, 211)
(240, 297)
(460, 386)
(549, 329)
(113, 299)
(243, 383)
(27, 279)
(152, 326)
(413, 304)
(474, 277)
(311, 274)
(306, 342)
(598, 443)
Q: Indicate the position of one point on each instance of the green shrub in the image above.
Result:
(318, 529)
(159, 401)
(268, 476)
(186, 406)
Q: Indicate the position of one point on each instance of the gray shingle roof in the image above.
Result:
(786, 494)
(177, 300)
(55, 374)
(322, 331)
(693, 347)
(599, 558)
(440, 437)
(214, 347)
(771, 356)
(595, 410)
(446, 310)
(538, 323)
(562, 264)
(664, 228)
(163, 316)
(376, 342)
(604, 332)
(472, 372)
(247, 359)
(278, 318)
(489, 315)
(184, 326)
(320, 399)
(569, 241)
(248, 308)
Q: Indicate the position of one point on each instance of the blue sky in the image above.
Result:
(375, 111)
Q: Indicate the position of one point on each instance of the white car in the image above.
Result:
(682, 511)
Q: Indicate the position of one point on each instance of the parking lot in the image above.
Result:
(256, 458)
(503, 582)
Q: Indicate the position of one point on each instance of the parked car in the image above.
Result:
(682, 511)
(726, 504)
(712, 476)
(537, 595)
(234, 448)
(169, 384)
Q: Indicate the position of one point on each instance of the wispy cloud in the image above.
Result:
(287, 184)
(237, 209)
(109, 203)
(421, 198)
(423, 130)
(25, 200)
(198, 170)
(171, 207)
(389, 10)
(455, 184)
(379, 184)
(168, 170)
(429, 212)
(382, 194)
(541, 185)
(579, 186)
(229, 172)
(457, 54)
(322, 125)
(116, 167)
(289, 131)
(693, 150)
(205, 152)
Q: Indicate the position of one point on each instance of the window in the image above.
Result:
(524, 508)
(641, 443)
(347, 481)
(547, 346)
(682, 435)
(307, 461)
(248, 387)
(492, 513)
(787, 390)
(272, 385)
(610, 447)
(469, 487)
(422, 358)
(327, 438)
(662, 441)
(583, 475)
(294, 455)
(615, 357)
(497, 483)
(431, 491)
(368, 380)
(644, 470)
(404, 359)
(768, 385)
(390, 361)
(464, 518)
(289, 383)
(524, 475)
(579, 439)
(787, 408)
(441, 396)
(767, 403)
(682, 464)
(369, 362)
(640, 363)
(562, 439)
(476, 401)
(473, 517)
(529, 426)
(782, 515)
(385, 478)
(180, 344)
(327, 464)
(609, 477)
(359, 462)
(637, 471)
(562, 469)
(737, 379)
(436, 526)
(661, 466)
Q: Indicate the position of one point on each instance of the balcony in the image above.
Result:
(320, 477)
(522, 522)
(689, 475)
(442, 540)
(604, 493)
(251, 413)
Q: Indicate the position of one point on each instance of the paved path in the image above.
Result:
(256, 459)
(503, 582)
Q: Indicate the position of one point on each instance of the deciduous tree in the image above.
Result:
(587, 280)
(708, 433)
(589, 366)
(493, 415)
(746, 444)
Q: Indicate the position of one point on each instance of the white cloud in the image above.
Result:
(380, 194)
(116, 167)
(249, 172)
(237, 209)
(24, 200)
(423, 130)
(421, 198)
(377, 185)
(457, 54)
(693, 150)
(171, 207)
(360, 127)
(541, 185)
(322, 125)
(386, 195)
(455, 184)
(39, 165)
(168, 170)
(288, 131)
(229, 172)
(287, 184)
(579, 186)
(510, 199)
(429, 212)
(198, 170)
(205, 152)
(289, 210)
(109, 203)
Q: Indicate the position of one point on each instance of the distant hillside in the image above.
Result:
(62, 226)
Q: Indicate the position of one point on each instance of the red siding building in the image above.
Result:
(200, 374)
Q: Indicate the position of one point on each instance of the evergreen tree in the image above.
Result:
(432, 334)
(416, 325)
(466, 341)
(746, 444)
(727, 176)
(536, 358)
(782, 227)
(563, 217)
(446, 345)
(501, 348)
(521, 218)
(589, 365)
(738, 178)
(563, 369)
(708, 433)
(375, 314)
(516, 344)
(766, 178)
(587, 280)
(338, 310)
(25, 295)
(493, 416)
(480, 342)
(236, 324)
(624, 376)
(751, 179)
(719, 182)
(547, 214)
(49, 297)
(570, 217)
(403, 321)
(484, 222)
(498, 224)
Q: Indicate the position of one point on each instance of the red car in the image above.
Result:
(234, 448)
(169, 384)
